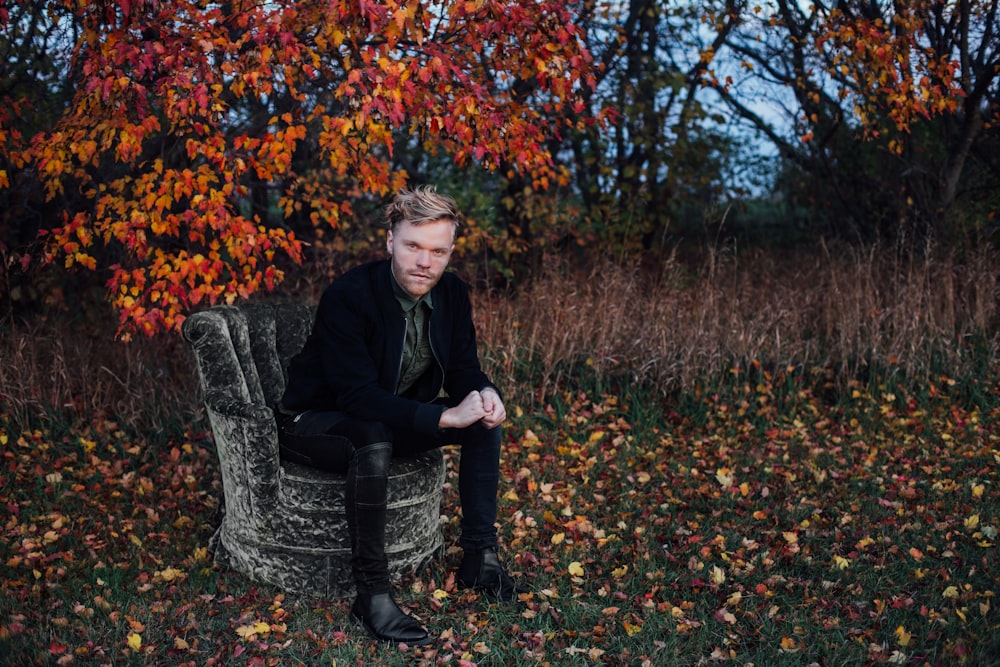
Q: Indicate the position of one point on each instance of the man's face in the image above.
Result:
(420, 254)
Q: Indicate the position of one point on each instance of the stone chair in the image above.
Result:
(284, 523)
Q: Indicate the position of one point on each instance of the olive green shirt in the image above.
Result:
(417, 355)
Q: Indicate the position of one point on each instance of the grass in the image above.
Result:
(771, 509)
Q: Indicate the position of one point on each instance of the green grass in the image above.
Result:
(758, 522)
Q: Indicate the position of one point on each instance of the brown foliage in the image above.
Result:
(675, 326)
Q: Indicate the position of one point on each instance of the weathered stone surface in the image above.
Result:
(284, 523)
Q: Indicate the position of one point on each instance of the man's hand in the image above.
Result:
(466, 413)
(494, 411)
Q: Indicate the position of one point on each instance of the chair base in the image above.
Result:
(306, 550)
(314, 572)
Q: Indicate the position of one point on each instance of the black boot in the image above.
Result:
(481, 570)
(384, 621)
(365, 505)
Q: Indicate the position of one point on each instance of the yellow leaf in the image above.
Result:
(180, 644)
(718, 575)
(134, 641)
(972, 522)
(724, 477)
(595, 436)
(788, 644)
(631, 629)
(576, 569)
(902, 636)
(440, 594)
(950, 592)
(841, 563)
(558, 538)
(258, 628)
(725, 616)
(977, 490)
(790, 537)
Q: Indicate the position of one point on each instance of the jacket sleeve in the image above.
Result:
(346, 326)
(464, 373)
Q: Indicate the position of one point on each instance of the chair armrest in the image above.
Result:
(228, 406)
(246, 438)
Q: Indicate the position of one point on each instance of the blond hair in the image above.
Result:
(421, 206)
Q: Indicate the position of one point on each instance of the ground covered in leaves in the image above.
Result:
(764, 525)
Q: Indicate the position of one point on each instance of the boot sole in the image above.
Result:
(357, 620)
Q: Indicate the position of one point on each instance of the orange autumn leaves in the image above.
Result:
(897, 75)
(201, 134)
(759, 527)
(866, 533)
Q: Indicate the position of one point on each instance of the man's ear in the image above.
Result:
(388, 241)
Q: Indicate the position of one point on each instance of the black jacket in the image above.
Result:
(351, 360)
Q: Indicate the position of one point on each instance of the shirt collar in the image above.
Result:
(406, 301)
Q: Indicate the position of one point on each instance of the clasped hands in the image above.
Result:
(479, 406)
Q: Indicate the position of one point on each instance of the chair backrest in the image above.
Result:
(243, 351)
(277, 333)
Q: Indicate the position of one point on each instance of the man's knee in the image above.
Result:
(364, 433)
(486, 437)
(370, 472)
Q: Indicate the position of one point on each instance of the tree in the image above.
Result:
(885, 101)
(203, 135)
(665, 150)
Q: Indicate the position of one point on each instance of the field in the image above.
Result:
(750, 462)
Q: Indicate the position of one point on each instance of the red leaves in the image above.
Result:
(895, 74)
(177, 121)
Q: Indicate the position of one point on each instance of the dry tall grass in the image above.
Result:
(52, 369)
(673, 326)
(677, 326)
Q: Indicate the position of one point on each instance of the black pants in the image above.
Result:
(335, 442)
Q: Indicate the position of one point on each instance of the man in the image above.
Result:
(388, 337)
